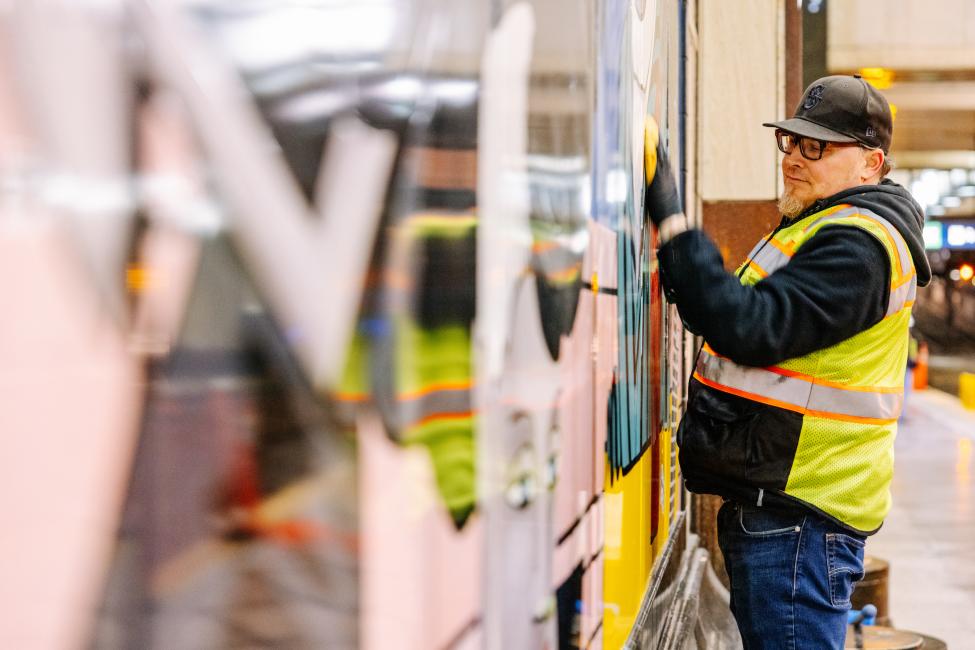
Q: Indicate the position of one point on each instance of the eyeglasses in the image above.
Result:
(810, 148)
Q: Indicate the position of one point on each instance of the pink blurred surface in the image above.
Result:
(420, 577)
(69, 402)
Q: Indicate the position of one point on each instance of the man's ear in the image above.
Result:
(873, 161)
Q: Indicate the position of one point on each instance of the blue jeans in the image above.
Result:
(791, 576)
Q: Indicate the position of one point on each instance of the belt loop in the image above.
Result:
(761, 495)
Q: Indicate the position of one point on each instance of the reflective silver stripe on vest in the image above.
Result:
(901, 296)
(839, 214)
(770, 259)
(799, 393)
(413, 410)
(895, 236)
(757, 247)
(898, 239)
(905, 293)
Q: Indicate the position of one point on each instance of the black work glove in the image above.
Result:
(662, 199)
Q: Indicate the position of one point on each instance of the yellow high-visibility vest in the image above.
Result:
(430, 370)
(849, 394)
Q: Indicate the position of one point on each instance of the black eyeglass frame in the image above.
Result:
(802, 140)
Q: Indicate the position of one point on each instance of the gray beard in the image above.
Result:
(790, 206)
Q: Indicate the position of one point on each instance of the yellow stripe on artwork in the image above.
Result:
(663, 524)
(627, 551)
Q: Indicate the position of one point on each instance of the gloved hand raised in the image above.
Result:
(662, 199)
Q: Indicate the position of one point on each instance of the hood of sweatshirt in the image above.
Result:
(895, 204)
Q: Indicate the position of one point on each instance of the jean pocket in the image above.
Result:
(844, 555)
(762, 522)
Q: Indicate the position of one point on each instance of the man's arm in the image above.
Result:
(834, 287)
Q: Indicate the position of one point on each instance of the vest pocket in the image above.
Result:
(732, 440)
(844, 556)
(712, 436)
(773, 437)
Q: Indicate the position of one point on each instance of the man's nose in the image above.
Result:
(794, 157)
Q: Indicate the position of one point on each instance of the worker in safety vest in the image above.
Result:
(418, 371)
(793, 405)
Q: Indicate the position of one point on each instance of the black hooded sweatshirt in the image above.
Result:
(834, 287)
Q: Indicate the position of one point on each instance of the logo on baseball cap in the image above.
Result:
(841, 108)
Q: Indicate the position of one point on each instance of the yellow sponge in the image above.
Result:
(651, 136)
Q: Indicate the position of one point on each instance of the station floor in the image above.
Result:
(929, 535)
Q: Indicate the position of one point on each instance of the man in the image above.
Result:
(792, 410)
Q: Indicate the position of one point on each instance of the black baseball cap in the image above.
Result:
(842, 108)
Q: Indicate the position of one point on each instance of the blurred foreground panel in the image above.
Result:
(337, 324)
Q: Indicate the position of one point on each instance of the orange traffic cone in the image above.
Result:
(921, 369)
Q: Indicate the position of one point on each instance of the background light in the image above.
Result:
(878, 77)
(960, 235)
(933, 235)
